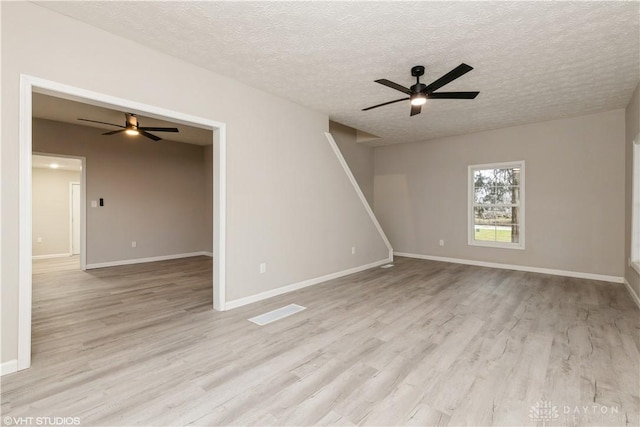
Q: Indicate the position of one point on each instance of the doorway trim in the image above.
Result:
(71, 217)
(30, 84)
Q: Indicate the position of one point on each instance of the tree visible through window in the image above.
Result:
(496, 216)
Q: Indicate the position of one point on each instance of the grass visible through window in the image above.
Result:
(493, 235)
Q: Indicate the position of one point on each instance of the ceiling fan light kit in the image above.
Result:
(419, 92)
(131, 127)
(419, 99)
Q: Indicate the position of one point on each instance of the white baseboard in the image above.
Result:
(634, 296)
(50, 256)
(9, 367)
(207, 253)
(149, 259)
(295, 286)
(577, 274)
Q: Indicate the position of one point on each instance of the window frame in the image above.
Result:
(634, 260)
(470, 205)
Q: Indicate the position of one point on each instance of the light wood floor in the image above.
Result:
(49, 265)
(423, 343)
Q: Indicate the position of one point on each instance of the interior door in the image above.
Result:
(75, 218)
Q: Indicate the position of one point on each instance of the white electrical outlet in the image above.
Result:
(39, 240)
(353, 250)
(263, 267)
(134, 244)
(94, 204)
(441, 242)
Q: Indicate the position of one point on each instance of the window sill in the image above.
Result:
(496, 245)
(636, 266)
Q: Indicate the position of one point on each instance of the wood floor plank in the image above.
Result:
(421, 343)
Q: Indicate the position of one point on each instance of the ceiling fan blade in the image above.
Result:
(453, 95)
(113, 132)
(415, 109)
(393, 85)
(148, 135)
(154, 129)
(104, 123)
(449, 77)
(386, 103)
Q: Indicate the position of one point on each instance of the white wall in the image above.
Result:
(632, 129)
(51, 210)
(574, 193)
(154, 192)
(289, 203)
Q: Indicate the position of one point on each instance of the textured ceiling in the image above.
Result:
(533, 61)
(64, 110)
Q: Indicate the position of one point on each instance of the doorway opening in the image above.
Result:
(32, 85)
(58, 231)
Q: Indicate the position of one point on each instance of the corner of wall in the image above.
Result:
(634, 295)
(359, 192)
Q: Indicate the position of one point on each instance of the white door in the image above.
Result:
(75, 218)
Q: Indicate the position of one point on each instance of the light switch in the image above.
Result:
(94, 204)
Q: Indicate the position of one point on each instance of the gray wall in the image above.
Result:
(154, 193)
(359, 157)
(574, 193)
(51, 210)
(289, 202)
(632, 128)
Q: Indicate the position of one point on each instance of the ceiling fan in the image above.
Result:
(131, 127)
(419, 92)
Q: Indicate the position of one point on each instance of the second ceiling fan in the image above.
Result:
(131, 127)
(419, 92)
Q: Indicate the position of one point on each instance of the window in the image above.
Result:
(635, 207)
(496, 205)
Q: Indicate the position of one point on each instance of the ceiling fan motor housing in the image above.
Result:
(418, 88)
(132, 120)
